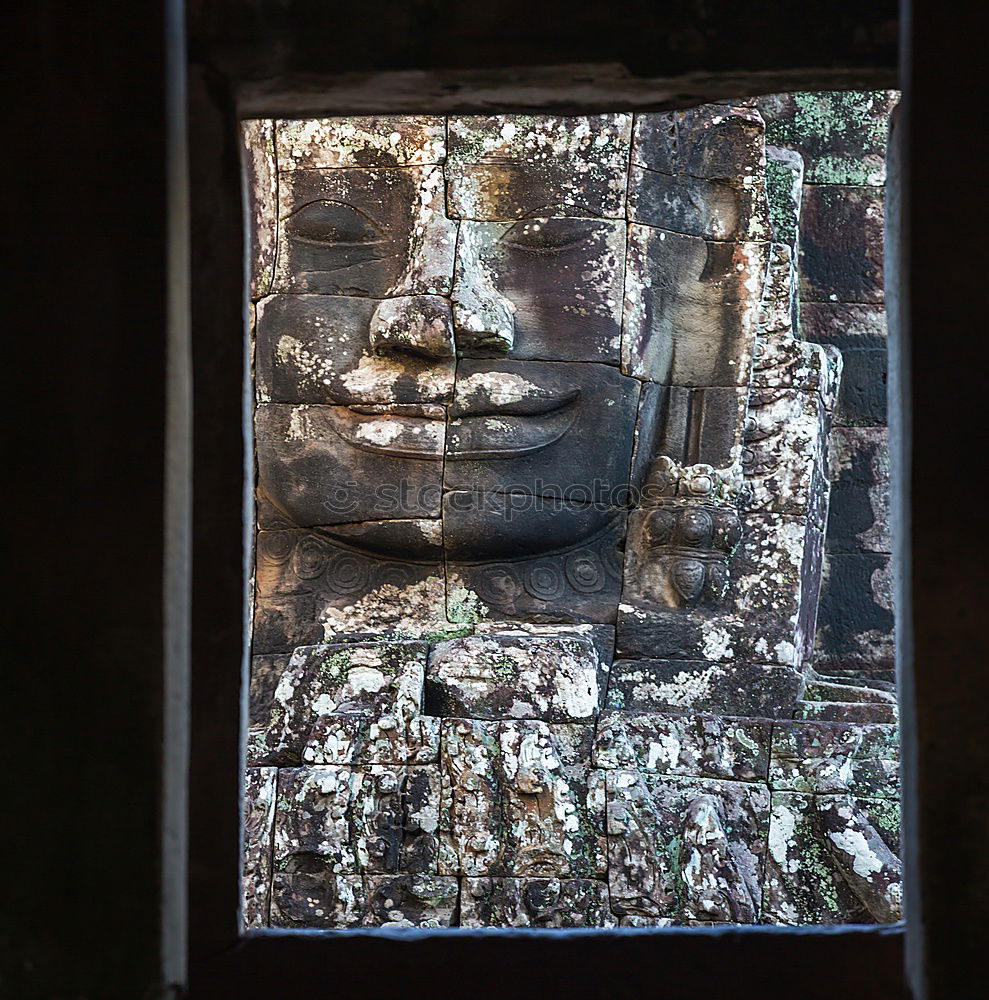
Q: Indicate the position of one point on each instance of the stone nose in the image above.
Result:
(484, 323)
(413, 324)
(483, 318)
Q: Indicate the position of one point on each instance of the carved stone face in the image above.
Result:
(474, 337)
(445, 331)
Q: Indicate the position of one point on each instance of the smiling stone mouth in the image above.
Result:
(482, 425)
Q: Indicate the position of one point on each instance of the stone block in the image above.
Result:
(691, 318)
(266, 671)
(697, 172)
(859, 516)
(526, 529)
(638, 920)
(784, 185)
(712, 141)
(259, 816)
(332, 465)
(408, 539)
(361, 141)
(752, 637)
(576, 583)
(410, 900)
(379, 819)
(769, 571)
(840, 134)
(785, 453)
(862, 397)
(519, 799)
(548, 289)
(535, 902)
(782, 359)
(778, 306)
(319, 899)
(506, 167)
(542, 428)
(835, 757)
(701, 746)
(553, 679)
(602, 637)
(821, 687)
(320, 349)
(710, 209)
(326, 901)
(373, 682)
(818, 869)
(773, 585)
(310, 590)
(388, 739)
(374, 232)
(846, 711)
(692, 426)
(266, 515)
(686, 848)
(690, 686)
(849, 326)
(678, 551)
(841, 244)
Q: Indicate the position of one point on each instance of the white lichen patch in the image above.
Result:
(416, 435)
(412, 610)
(781, 843)
(578, 165)
(326, 143)
(464, 607)
(495, 389)
(682, 690)
(716, 643)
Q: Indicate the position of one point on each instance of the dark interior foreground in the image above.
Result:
(109, 617)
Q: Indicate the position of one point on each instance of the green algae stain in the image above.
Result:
(842, 134)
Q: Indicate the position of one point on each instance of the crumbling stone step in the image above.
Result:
(884, 680)
(845, 711)
(831, 691)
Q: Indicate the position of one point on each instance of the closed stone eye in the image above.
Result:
(333, 222)
(548, 235)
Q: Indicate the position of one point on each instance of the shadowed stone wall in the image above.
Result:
(842, 139)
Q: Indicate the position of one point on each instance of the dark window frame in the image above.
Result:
(223, 962)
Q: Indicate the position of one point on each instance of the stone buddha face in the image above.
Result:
(473, 338)
(443, 339)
